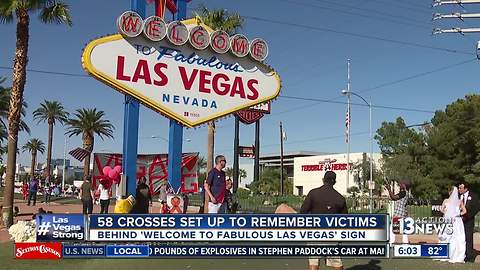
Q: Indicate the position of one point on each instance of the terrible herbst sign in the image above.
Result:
(183, 69)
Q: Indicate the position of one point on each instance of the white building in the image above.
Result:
(308, 171)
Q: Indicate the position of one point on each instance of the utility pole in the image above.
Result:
(236, 144)
(370, 182)
(64, 164)
(281, 159)
(256, 166)
(437, 3)
(455, 15)
(349, 91)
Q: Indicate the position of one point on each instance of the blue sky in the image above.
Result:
(310, 60)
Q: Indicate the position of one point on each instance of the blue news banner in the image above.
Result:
(261, 228)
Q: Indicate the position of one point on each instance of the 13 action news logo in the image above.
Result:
(427, 226)
(38, 250)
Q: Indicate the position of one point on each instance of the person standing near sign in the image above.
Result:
(215, 186)
(87, 195)
(472, 206)
(104, 198)
(228, 203)
(325, 200)
(142, 198)
(32, 190)
(400, 206)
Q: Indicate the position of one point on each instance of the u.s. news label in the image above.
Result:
(60, 227)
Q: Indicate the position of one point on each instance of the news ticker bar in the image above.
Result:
(421, 251)
(201, 227)
(57, 250)
(231, 251)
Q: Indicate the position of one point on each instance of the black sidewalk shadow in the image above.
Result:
(372, 265)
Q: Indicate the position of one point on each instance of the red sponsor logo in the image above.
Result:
(326, 166)
(249, 116)
(52, 251)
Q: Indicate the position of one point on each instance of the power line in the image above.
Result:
(323, 29)
(416, 75)
(319, 100)
(332, 100)
(50, 72)
(381, 86)
(409, 6)
(388, 15)
(316, 100)
(320, 139)
(390, 18)
(304, 141)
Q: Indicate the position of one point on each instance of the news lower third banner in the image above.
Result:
(231, 251)
(294, 227)
(211, 228)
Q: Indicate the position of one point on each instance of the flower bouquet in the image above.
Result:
(23, 231)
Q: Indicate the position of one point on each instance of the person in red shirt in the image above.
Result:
(25, 191)
(215, 186)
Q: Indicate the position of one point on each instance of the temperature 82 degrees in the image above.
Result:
(434, 250)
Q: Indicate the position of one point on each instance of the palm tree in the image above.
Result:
(49, 12)
(88, 123)
(218, 19)
(201, 164)
(50, 112)
(241, 173)
(34, 146)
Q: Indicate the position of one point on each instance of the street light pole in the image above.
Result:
(371, 156)
(281, 159)
(369, 104)
(64, 163)
(349, 124)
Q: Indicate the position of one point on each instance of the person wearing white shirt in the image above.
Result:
(104, 199)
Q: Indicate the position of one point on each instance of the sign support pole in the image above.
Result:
(281, 159)
(236, 145)
(175, 135)
(256, 166)
(130, 125)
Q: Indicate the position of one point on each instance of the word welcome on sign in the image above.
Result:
(130, 24)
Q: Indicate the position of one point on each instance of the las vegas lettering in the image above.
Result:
(208, 82)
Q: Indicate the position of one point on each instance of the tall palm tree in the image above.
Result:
(201, 164)
(49, 12)
(88, 123)
(34, 146)
(218, 19)
(50, 112)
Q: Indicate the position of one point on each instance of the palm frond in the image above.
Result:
(5, 107)
(89, 121)
(34, 145)
(24, 126)
(7, 10)
(220, 19)
(51, 111)
(58, 13)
